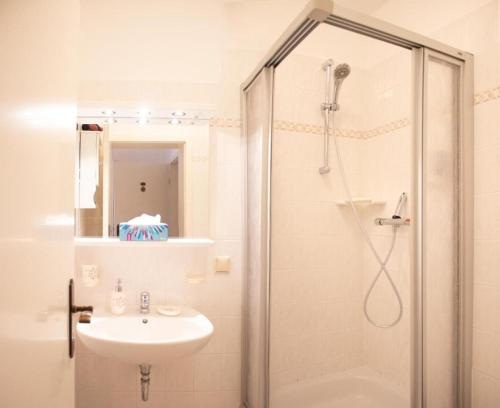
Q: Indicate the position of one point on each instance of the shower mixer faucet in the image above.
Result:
(396, 220)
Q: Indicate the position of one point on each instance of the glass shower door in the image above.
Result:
(441, 272)
(322, 310)
(258, 104)
(338, 335)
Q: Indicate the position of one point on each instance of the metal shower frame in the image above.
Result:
(326, 12)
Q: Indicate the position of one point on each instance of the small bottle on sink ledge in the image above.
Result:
(117, 299)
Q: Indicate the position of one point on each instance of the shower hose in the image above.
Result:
(382, 262)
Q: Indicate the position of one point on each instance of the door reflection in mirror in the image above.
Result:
(145, 180)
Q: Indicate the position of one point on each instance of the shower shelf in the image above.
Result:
(361, 201)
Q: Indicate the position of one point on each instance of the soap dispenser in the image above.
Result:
(117, 299)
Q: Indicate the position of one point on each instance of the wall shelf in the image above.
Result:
(170, 243)
(361, 201)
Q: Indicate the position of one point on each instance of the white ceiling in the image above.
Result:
(256, 24)
(179, 42)
(426, 17)
(345, 46)
(363, 6)
(423, 16)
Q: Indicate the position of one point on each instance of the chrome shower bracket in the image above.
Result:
(327, 107)
(328, 64)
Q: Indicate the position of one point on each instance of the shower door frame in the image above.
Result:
(325, 11)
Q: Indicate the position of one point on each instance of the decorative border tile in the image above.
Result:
(487, 95)
(386, 128)
(480, 97)
(349, 133)
(224, 122)
(317, 129)
(297, 127)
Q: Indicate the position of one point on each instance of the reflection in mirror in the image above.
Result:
(89, 180)
(145, 180)
(129, 169)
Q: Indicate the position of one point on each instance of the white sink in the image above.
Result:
(147, 338)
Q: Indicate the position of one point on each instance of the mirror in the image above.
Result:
(125, 170)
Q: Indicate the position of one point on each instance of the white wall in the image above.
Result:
(384, 170)
(316, 282)
(321, 266)
(180, 54)
(212, 378)
(129, 200)
(208, 379)
(172, 53)
(116, 33)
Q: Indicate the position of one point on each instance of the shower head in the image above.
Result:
(341, 72)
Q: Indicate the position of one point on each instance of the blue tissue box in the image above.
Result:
(157, 232)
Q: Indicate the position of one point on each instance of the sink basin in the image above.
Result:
(146, 338)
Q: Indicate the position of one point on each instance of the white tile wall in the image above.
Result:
(312, 263)
(321, 268)
(477, 32)
(486, 358)
(210, 379)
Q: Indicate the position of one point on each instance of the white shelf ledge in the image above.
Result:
(171, 242)
(361, 201)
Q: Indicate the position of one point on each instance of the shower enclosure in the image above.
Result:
(358, 285)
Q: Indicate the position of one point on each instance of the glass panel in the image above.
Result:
(440, 234)
(258, 111)
(324, 351)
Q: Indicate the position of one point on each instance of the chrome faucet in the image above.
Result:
(145, 302)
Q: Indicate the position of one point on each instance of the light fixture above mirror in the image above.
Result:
(144, 115)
